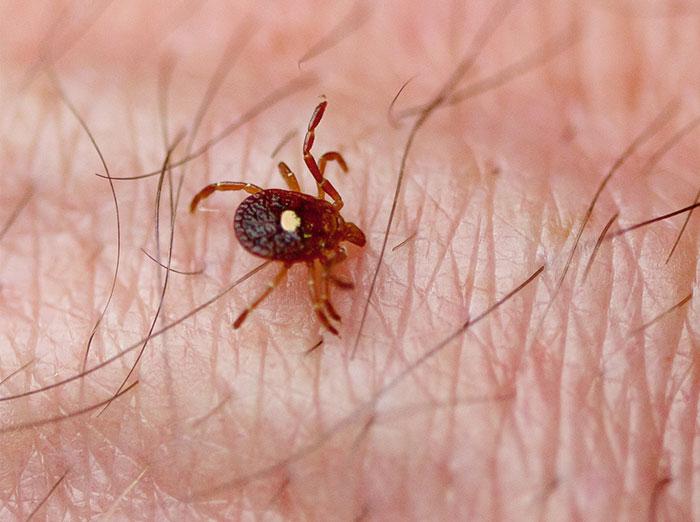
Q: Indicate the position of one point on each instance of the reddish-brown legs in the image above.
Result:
(289, 177)
(338, 257)
(332, 156)
(313, 167)
(329, 156)
(341, 283)
(326, 295)
(320, 278)
(318, 303)
(270, 287)
(222, 185)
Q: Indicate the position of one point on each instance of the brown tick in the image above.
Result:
(292, 227)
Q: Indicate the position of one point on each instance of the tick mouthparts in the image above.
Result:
(354, 234)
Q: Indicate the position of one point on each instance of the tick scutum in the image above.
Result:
(286, 226)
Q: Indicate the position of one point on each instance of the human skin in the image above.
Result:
(560, 404)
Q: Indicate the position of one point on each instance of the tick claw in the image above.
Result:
(342, 284)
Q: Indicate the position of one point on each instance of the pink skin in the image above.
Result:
(568, 415)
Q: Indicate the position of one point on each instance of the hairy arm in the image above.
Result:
(574, 397)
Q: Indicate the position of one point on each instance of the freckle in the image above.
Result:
(492, 168)
(568, 133)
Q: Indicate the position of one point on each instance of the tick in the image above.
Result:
(292, 227)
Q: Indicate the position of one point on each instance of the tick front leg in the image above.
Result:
(323, 160)
(222, 186)
(322, 182)
(289, 177)
(332, 156)
(270, 287)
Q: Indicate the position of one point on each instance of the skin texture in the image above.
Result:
(556, 406)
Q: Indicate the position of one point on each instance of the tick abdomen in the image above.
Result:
(286, 226)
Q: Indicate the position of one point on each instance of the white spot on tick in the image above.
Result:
(290, 221)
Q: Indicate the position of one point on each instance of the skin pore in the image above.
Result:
(575, 398)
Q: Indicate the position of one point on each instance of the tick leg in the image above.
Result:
(270, 287)
(322, 182)
(338, 257)
(341, 283)
(289, 177)
(222, 185)
(330, 156)
(318, 306)
(326, 295)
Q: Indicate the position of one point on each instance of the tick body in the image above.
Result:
(292, 227)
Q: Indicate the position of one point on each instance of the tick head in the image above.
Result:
(354, 234)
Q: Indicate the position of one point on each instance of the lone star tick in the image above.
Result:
(292, 227)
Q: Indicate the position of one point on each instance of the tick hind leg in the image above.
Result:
(289, 177)
(326, 294)
(270, 287)
(323, 184)
(338, 257)
(318, 300)
(222, 186)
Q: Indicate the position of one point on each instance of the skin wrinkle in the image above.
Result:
(488, 247)
(569, 379)
(682, 229)
(447, 228)
(635, 395)
(15, 372)
(483, 34)
(666, 360)
(15, 213)
(497, 459)
(403, 317)
(597, 246)
(268, 101)
(48, 46)
(668, 145)
(115, 277)
(210, 92)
